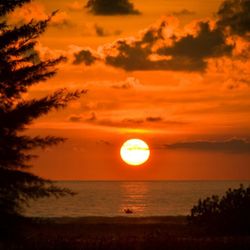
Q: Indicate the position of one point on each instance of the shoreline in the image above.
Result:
(113, 219)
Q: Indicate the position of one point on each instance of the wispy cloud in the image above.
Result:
(93, 119)
(129, 83)
(184, 12)
(37, 12)
(76, 6)
(228, 146)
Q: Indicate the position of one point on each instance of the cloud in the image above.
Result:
(190, 52)
(105, 143)
(75, 118)
(82, 118)
(60, 20)
(76, 6)
(37, 12)
(100, 31)
(229, 146)
(85, 56)
(129, 83)
(183, 12)
(94, 29)
(161, 47)
(92, 118)
(234, 14)
(111, 7)
(154, 119)
(28, 12)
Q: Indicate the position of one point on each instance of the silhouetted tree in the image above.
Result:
(230, 213)
(20, 67)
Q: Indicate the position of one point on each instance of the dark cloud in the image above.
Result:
(129, 83)
(92, 118)
(229, 146)
(188, 53)
(154, 119)
(235, 15)
(75, 118)
(100, 31)
(111, 7)
(84, 56)
(105, 143)
(106, 122)
(81, 118)
(183, 12)
(95, 29)
(154, 51)
(132, 121)
(133, 57)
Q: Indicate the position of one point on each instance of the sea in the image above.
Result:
(142, 198)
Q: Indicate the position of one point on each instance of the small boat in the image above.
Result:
(128, 211)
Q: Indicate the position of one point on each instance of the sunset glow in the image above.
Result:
(173, 73)
(124, 124)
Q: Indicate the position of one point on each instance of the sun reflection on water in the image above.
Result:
(134, 197)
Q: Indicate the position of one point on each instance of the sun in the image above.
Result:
(135, 152)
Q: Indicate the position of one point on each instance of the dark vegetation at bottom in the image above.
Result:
(214, 223)
(228, 214)
(124, 233)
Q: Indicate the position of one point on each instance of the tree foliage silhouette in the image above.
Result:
(20, 67)
(230, 213)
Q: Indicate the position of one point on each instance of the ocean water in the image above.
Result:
(144, 198)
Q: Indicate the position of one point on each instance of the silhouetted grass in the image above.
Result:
(120, 233)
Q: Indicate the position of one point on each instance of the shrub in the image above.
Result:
(230, 213)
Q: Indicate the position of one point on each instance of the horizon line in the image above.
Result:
(148, 180)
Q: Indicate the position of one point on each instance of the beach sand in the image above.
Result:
(118, 233)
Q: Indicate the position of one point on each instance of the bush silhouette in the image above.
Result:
(230, 213)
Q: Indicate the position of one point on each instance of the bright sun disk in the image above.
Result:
(135, 152)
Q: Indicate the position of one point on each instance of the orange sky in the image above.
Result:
(182, 81)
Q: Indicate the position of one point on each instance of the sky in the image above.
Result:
(174, 73)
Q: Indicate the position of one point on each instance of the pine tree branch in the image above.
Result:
(15, 81)
(28, 143)
(29, 186)
(10, 5)
(21, 67)
(26, 111)
(20, 49)
(14, 178)
(25, 143)
(11, 158)
(30, 31)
